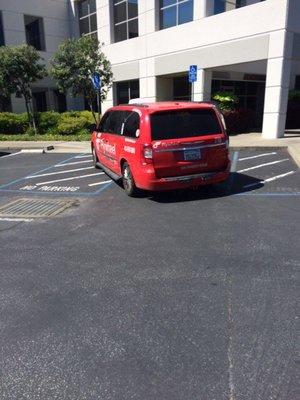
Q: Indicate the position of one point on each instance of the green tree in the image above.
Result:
(73, 66)
(20, 67)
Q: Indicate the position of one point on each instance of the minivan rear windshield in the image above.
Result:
(184, 124)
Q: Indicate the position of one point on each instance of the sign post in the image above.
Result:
(96, 81)
(193, 77)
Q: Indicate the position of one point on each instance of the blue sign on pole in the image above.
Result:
(96, 80)
(193, 73)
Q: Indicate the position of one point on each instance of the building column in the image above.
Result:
(106, 104)
(200, 9)
(147, 79)
(202, 88)
(147, 13)
(277, 84)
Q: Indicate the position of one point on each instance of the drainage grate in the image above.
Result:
(34, 208)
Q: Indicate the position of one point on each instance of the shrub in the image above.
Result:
(47, 120)
(239, 121)
(294, 95)
(13, 123)
(71, 125)
(226, 100)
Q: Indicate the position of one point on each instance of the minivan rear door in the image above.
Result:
(187, 141)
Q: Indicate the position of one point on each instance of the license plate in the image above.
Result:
(193, 154)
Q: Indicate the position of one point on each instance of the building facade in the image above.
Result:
(248, 47)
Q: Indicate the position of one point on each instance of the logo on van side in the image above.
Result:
(107, 148)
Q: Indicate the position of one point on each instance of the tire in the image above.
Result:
(128, 181)
(95, 158)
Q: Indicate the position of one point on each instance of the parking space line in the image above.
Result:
(84, 156)
(73, 163)
(10, 155)
(69, 179)
(16, 219)
(273, 178)
(263, 165)
(37, 172)
(257, 156)
(99, 183)
(59, 172)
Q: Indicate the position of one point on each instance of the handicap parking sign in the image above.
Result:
(96, 80)
(193, 73)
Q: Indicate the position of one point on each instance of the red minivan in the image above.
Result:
(162, 146)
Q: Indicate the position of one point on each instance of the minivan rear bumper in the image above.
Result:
(151, 182)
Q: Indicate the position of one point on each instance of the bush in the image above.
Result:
(48, 123)
(239, 121)
(225, 100)
(13, 123)
(294, 96)
(47, 120)
(70, 124)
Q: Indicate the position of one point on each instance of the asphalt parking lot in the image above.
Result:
(172, 296)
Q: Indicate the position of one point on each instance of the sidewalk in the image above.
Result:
(291, 142)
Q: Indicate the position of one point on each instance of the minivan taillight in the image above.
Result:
(148, 153)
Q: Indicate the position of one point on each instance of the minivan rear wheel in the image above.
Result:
(128, 181)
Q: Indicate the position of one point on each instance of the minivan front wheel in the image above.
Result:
(128, 181)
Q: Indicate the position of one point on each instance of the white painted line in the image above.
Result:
(40, 151)
(69, 179)
(99, 183)
(263, 165)
(59, 172)
(17, 219)
(279, 176)
(72, 163)
(84, 156)
(274, 178)
(259, 155)
(11, 155)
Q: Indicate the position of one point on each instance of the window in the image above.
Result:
(132, 123)
(112, 122)
(175, 12)
(221, 6)
(39, 101)
(183, 124)
(2, 42)
(127, 90)
(181, 88)
(34, 28)
(87, 17)
(297, 82)
(125, 19)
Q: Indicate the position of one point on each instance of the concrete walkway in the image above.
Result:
(291, 142)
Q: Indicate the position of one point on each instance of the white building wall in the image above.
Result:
(244, 35)
(57, 22)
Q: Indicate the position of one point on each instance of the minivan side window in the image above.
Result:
(112, 122)
(131, 124)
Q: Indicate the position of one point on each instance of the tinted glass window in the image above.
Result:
(125, 19)
(34, 29)
(132, 123)
(2, 43)
(183, 124)
(175, 12)
(112, 122)
(127, 90)
(87, 17)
